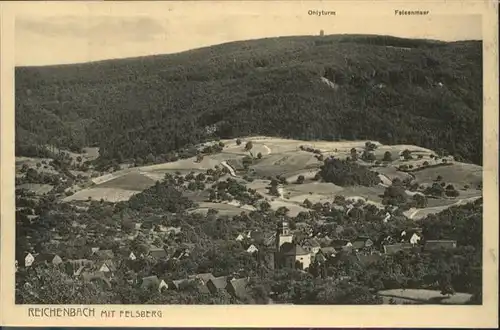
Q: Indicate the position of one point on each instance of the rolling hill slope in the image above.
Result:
(331, 88)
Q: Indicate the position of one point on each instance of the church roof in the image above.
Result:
(291, 249)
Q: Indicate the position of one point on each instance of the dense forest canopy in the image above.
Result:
(329, 87)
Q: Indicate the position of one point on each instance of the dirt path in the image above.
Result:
(231, 170)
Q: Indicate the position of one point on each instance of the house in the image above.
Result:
(391, 249)
(362, 243)
(177, 284)
(217, 284)
(173, 230)
(202, 278)
(251, 248)
(240, 237)
(181, 254)
(132, 256)
(96, 277)
(294, 256)
(312, 245)
(433, 245)
(104, 255)
(76, 266)
(340, 244)
(26, 259)
(107, 267)
(415, 239)
(328, 252)
(157, 253)
(153, 283)
(239, 288)
(48, 258)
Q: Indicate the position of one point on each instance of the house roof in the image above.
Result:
(395, 248)
(47, 257)
(320, 257)
(150, 281)
(158, 253)
(93, 276)
(177, 283)
(180, 253)
(109, 263)
(240, 287)
(440, 243)
(312, 242)
(339, 243)
(329, 250)
(219, 282)
(105, 254)
(205, 277)
(291, 249)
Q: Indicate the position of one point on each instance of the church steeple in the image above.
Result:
(283, 234)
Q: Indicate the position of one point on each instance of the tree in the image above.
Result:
(259, 155)
(387, 157)
(439, 178)
(406, 154)
(420, 200)
(354, 154)
(248, 145)
(300, 179)
(238, 142)
(307, 204)
(52, 286)
(264, 206)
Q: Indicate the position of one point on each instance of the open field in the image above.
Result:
(422, 296)
(107, 194)
(458, 174)
(285, 158)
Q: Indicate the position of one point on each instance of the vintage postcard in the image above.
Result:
(249, 163)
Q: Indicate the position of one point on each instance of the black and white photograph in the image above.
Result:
(295, 157)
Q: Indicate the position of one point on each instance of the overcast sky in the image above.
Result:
(72, 36)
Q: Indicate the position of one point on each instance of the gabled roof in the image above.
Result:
(219, 282)
(109, 263)
(291, 249)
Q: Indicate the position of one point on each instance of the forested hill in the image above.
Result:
(388, 89)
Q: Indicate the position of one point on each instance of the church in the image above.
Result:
(287, 253)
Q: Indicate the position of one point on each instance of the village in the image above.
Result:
(302, 249)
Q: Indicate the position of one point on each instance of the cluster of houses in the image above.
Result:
(281, 251)
(101, 267)
(287, 253)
